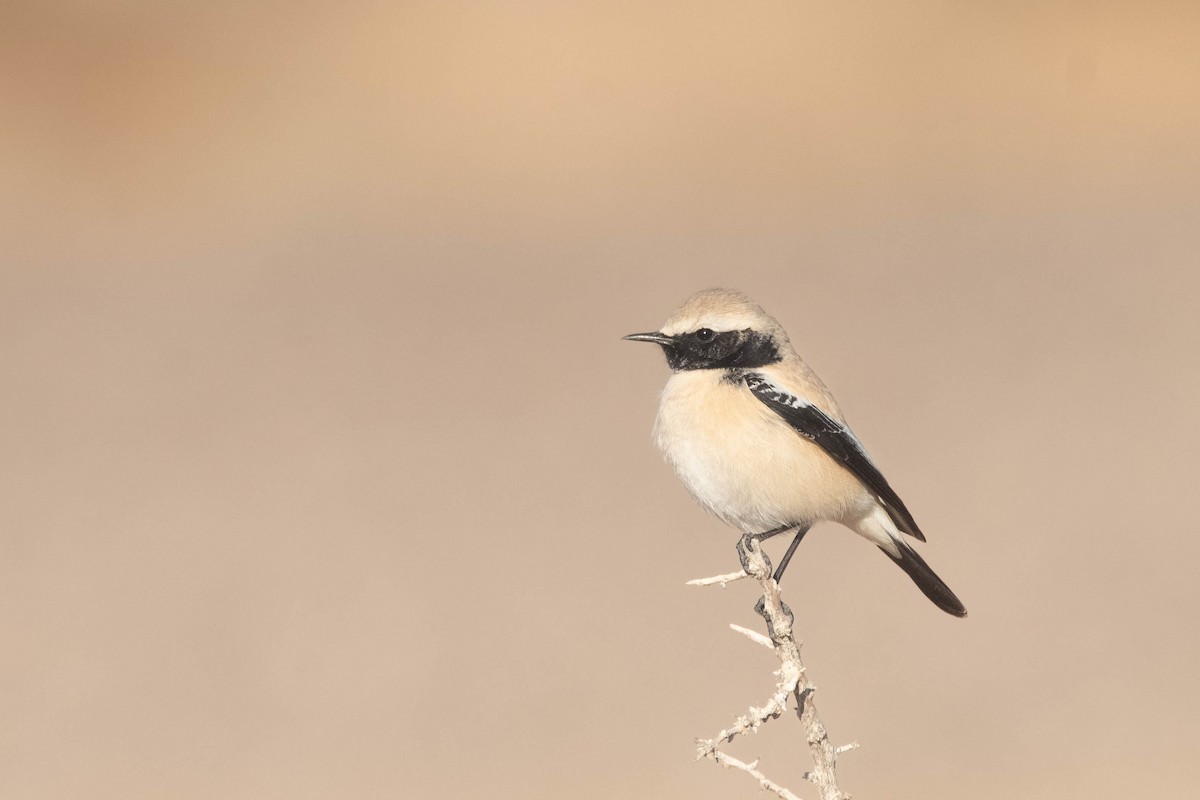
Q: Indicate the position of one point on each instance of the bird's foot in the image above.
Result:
(750, 553)
(761, 609)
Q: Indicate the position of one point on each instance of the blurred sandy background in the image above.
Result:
(318, 435)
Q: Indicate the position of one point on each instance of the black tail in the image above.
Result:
(925, 579)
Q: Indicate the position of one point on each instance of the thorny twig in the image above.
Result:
(792, 682)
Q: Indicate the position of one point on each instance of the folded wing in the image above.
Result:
(835, 439)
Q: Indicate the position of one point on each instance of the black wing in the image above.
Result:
(835, 439)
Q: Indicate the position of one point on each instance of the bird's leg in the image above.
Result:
(743, 547)
(788, 555)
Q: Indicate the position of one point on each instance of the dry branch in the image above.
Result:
(793, 682)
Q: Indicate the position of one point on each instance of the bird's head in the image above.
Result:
(719, 329)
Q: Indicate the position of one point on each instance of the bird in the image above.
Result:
(758, 440)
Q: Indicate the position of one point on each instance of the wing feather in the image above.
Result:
(838, 441)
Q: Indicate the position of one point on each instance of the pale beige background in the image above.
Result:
(326, 474)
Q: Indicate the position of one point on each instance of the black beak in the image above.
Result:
(656, 338)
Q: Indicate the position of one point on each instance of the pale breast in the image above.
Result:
(745, 464)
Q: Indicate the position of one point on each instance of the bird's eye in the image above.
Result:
(705, 334)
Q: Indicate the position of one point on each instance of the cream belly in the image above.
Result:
(746, 465)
